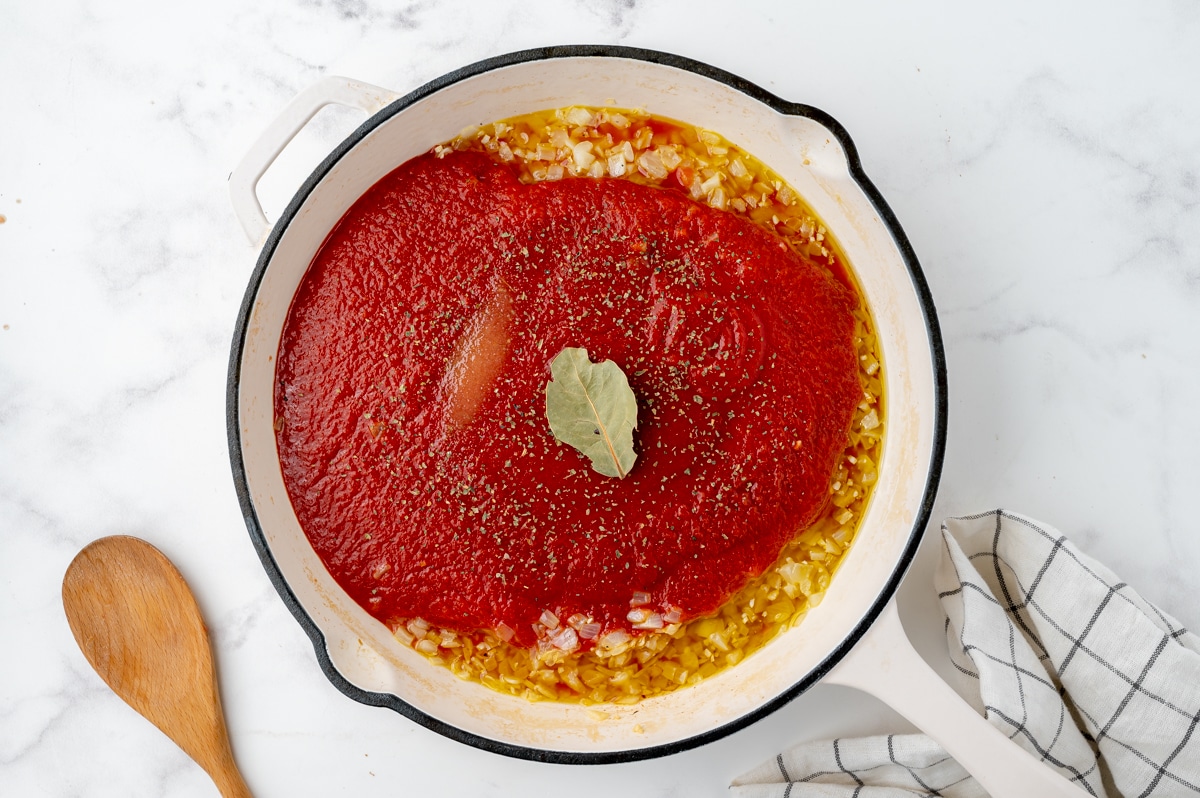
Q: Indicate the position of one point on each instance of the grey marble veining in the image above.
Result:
(1044, 161)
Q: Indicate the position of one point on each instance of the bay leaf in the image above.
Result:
(591, 407)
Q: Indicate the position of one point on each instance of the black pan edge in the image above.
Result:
(937, 353)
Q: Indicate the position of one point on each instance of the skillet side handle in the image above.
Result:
(885, 664)
(243, 182)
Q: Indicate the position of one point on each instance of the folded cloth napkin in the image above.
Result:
(1060, 655)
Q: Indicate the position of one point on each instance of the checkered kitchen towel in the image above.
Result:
(1061, 655)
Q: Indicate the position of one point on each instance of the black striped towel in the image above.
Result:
(1061, 655)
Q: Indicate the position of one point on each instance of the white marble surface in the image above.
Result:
(1043, 158)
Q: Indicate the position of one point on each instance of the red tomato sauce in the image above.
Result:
(429, 494)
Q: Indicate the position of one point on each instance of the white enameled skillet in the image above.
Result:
(854, 637)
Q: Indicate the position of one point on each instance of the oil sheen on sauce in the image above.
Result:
(410, 397)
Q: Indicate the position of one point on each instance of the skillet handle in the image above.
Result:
(885, 664)
(243, 182)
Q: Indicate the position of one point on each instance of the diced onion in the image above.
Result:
(651, 165)
(614, 638)
(549, 619)
(582, 153)
(565, 639)
(640, 599)
(652, 621)
(669, 156)
(589, 630)
(579, 116)
(616, 164)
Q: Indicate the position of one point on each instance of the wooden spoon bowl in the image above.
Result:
(138, 624)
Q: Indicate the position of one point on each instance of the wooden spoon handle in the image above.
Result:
(228, 778)
(219, 764)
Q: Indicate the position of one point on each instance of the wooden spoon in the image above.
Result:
(138, 625)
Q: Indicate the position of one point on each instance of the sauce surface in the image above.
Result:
(410, 397)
